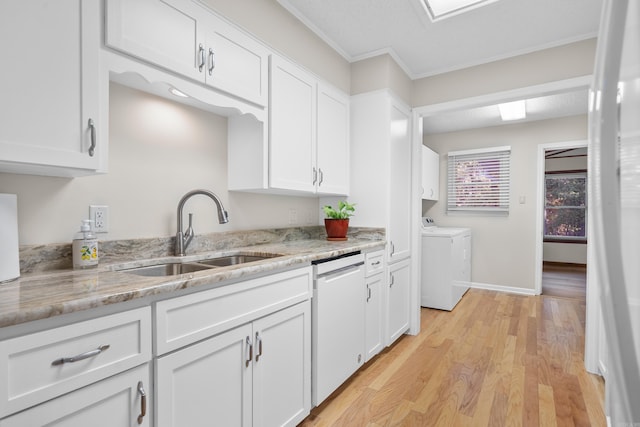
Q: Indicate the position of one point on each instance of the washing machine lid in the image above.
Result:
(444, 231)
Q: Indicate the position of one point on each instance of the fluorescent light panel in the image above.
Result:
(515, 110)
(176, 92)
(440, 9)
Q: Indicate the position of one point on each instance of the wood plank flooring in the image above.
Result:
(564, 280)
(496, 360)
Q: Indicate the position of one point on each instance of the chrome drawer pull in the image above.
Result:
(259, 344)
(92, 127)
(79, 357)
(375, 263)
(250, 350)
(143, 402)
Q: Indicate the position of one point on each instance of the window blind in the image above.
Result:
(478, 180)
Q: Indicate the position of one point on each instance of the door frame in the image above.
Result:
(542, 148)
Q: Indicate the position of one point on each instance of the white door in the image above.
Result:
(207, 382)
(162, 32)
(292, 134)
(398, 300)
(113, 402)
(374, 327)
(49, 83)
(400, 184)
(333, 141)
(282, 367)
(235, 63)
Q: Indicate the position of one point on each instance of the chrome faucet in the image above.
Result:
(183, 239)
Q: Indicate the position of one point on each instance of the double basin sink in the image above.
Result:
(175, 268)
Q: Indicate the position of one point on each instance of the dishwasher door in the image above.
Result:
(338, 330)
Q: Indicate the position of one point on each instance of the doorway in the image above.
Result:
(561, 232)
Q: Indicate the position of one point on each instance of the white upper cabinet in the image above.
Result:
(292, 133)
(430, 174)
(187, 39)
(333, 141)
(50, 120)
(307, 148)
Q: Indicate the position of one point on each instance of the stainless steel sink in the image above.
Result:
(175, 268)
(235, 259)
(167, 269)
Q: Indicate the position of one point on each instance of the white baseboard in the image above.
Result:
(500, 288)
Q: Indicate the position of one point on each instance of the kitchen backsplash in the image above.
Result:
(40, 258)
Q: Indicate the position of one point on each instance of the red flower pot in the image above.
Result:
(336, 228)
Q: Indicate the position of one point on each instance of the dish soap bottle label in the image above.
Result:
(85, 247)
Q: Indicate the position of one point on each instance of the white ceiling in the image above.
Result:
(359, 29)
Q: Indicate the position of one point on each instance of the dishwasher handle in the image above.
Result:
(334, 274)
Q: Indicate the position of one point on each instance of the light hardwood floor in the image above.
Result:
(496, 360)
(564, 280)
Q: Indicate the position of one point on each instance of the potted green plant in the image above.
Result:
(337, 221)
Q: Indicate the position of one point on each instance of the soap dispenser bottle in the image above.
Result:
(85, 247)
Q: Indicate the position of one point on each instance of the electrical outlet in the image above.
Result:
(99, 214)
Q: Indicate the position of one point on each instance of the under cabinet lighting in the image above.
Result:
(515, 110)
(440, 9)
(176, 92)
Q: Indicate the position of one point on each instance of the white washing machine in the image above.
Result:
(446, 265)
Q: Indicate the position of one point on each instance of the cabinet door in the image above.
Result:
(162, 32)
(398, 300)
(207, 382)
(399, 184)
(49, 86)
(292, 134)
(235, 63)
(282, 367)
(333, 141)
(430, 174)
(113, 402)
(374, 326)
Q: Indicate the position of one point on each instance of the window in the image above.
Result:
(565, 207)
(478, 180)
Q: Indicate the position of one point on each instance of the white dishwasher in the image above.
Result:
(337, 344)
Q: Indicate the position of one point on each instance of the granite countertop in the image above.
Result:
(44, 294)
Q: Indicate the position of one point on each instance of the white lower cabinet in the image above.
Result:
(375, 298)
(118, 401)
(398, 298)
(374, 326)
(256, 374)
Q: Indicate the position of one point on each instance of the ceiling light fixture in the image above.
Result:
(176, 92)
(440, 9)
(515, 110)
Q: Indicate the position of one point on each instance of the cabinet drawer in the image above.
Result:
(374, 263)
(31, 370)
(185, 320)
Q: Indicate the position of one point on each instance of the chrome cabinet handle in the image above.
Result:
(92, 128)
(368, 293)
(392, 280)
(143, 402)
(79, 357)
(250, 349)
(201, 54)
(315, 176)
(321, 176)
(212, 61)
(375, 263)
(259, 344)
(392, 247)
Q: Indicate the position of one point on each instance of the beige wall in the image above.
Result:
(559, 63)
(274, 26)
(380, 72)
(573, 253)
(503, 246)
(158, 151)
